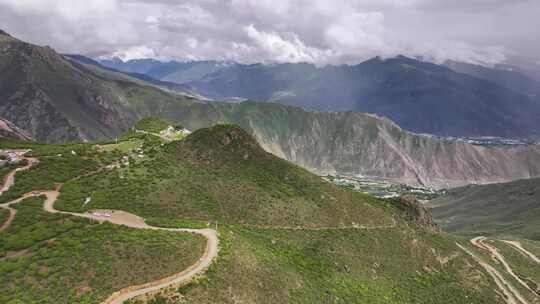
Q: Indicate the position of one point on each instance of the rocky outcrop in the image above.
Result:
(417, 213)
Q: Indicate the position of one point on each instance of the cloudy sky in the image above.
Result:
(318, 31)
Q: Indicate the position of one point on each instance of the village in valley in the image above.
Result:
(383, 188)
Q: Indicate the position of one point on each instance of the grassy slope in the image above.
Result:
(72, 260)
(152, 124)
(6, 168)
(201, 178)
(523, 266)
(57, 164)
(509, 208)
(3, 216)
(220, 174)
(261, 266)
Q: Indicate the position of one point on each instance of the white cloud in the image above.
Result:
(459, 51)
(279, 49)
(135, 52)
(319, 31)
(358, 34)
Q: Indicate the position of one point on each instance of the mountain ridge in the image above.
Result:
(419, 96)
(61, 100)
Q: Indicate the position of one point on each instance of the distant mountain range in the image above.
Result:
(58, 98)
(504, 77)
(454, 100)
(172, 71)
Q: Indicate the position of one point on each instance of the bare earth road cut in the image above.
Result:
(481, 242)
(517, 246)
(126, 219)
(511, 295)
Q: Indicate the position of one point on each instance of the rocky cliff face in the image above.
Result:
(54, 99)
(417, 213)
(361, 144)
(11, 131)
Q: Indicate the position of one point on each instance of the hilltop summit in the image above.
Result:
(221, 144)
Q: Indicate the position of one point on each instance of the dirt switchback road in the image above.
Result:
(129, 220)
(511, 295)
(481, 243)
(517, 246)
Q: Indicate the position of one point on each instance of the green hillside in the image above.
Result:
(286, 235)
(222, 174)
(499, 209)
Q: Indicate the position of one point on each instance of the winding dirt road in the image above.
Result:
(511, 295)
(9, 180)
(126, 219)
(481, 243)
(517, 246)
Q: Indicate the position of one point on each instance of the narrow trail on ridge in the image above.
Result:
(351, 227)
(119, 218)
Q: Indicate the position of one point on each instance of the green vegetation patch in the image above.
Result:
(54, 258)
(125, 146)
(221, 174)
(496, 209)
(522, 265)
(42, 149)
(8, 167)
(3, 216)
(152, 124)
(346, 266)
(48, 172)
